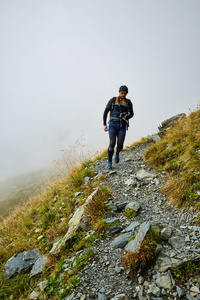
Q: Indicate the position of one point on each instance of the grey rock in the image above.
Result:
(121, 240)
(39, 265)
(177, 242)
(71, 297)
(42, 284)
(31, 254)
(101, 296)
(189, 297)
(180, 292)
(187, 238)
(154, 290)
(68, 241)
(102, 290)
(166, 233)
(164, 262)
(195, 289)
(140, 280)
(109, 214)
(119, 297)
(113, 207)
(74, 223)
(142, 174)
(165, 281)
(134, 246)
(118, 270)
(134, 205)
(132, 226)
(34, 295)
(114, 229)
(121, 206)
(111, 220)
(129, 181)
(171, 121)
(20, 262)
(154, 137)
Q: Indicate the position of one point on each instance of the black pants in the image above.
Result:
(116, 133)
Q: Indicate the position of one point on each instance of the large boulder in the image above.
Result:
(25, 261)
(166, 124)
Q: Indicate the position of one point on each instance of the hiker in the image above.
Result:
(121, 110)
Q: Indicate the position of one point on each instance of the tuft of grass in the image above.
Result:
(14, 288)
(102, 155)
(97, 207)
(143, 140)
(187, 270)
(178, 153)
(147, 253)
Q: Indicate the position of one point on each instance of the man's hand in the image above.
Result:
(105, 128)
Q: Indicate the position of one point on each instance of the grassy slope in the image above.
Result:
(50, 213)
(177, 153)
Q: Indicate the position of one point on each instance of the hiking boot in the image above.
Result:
(116, 158)
(109, 164)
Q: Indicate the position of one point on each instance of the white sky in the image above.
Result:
(62, 60)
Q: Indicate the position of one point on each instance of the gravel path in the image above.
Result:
(104, 277)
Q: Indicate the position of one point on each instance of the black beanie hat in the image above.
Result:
(123, 88)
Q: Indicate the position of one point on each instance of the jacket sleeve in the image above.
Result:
(131, 112)
(107, 109)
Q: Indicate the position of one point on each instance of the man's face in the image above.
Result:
(122, 94)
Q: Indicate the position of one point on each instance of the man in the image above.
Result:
(121, 110)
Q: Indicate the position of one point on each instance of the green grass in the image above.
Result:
(130, 213)
(50, 216)
(178, 153)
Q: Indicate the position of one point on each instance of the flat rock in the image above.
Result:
(121, 206)
(111, 220)
(20, 262)
(132, 226)
(164, 262)
(114, 229)
(39, 265)
(142, 174)
(121, 240)
(134, 246)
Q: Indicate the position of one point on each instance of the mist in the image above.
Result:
(61, 62)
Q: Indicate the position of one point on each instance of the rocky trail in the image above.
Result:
(133, 182)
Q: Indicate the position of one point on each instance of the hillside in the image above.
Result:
(17, 190)
(128, 233)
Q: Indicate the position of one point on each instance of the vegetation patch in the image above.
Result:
(45, 218)
(130, 213)
(187, 270)
(178, 153)
(146, 254)
(97, 207)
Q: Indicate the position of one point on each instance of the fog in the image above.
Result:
(61, 61)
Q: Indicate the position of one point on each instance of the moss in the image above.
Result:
(130, 213)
